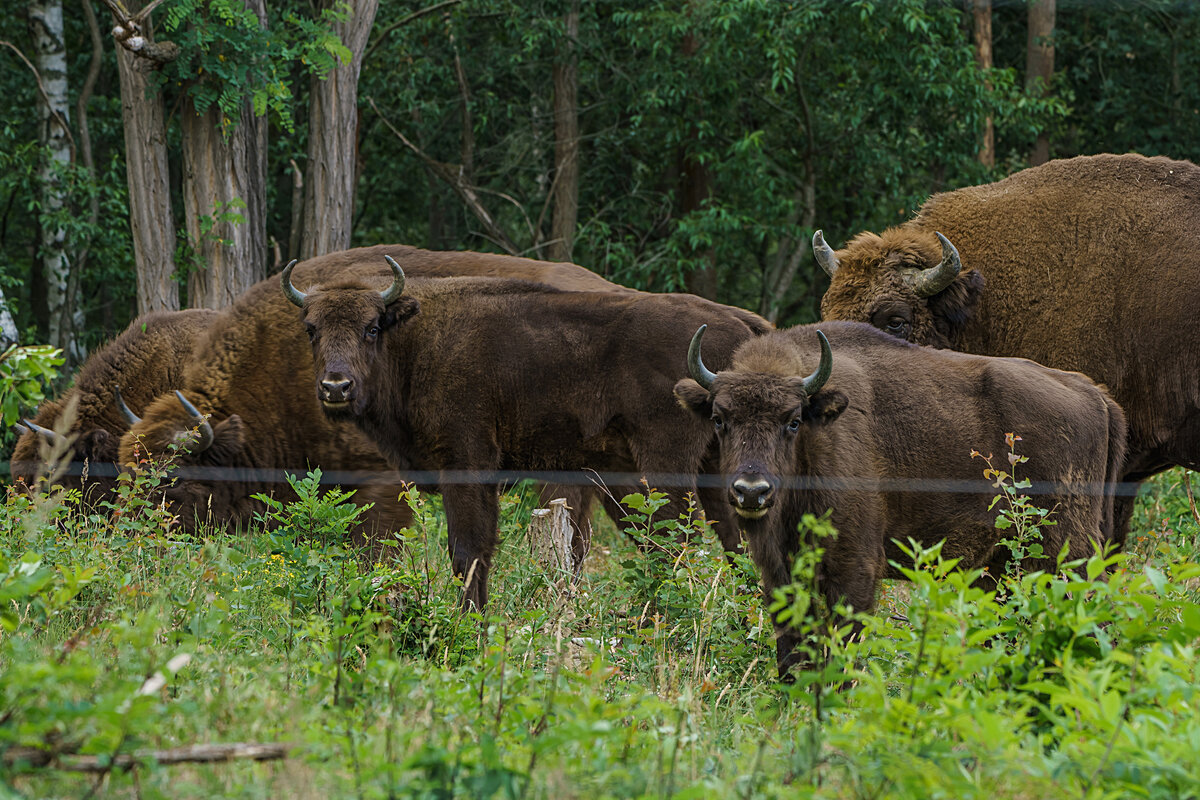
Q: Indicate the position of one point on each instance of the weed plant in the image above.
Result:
(653, 676)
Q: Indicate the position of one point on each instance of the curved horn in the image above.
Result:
(45, 433)
(700, 373)
(289, 291)
(393, 292)
(929, 282)
(814, 382)
(205, 430)
(824, 254)
(21, 429)
(130, 417)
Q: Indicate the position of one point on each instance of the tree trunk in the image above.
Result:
(220, 174)
(146, 172)
(566, 141)
(1039, 65)
(695, 186)
(982, 13)
(333, 142)
(225, 177)
(46, 27)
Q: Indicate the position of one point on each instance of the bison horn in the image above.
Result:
(700, 373)
(21, 429)
(45, 433)
(393, 292)
(130, 417)
(929, 282)
(824, 254)
(205, 430)
(814, 382)
(290, 291)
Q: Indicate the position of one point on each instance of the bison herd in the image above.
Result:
(1055, 303)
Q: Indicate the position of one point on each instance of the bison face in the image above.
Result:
(907, 282)
(761, 418)
(173, 425)
(346, 324)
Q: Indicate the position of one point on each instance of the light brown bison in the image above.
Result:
(148, 358)
(1089, 264)
(882, 432)
(468, 377)
(252, 373)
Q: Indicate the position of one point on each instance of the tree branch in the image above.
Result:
(456, 178)
(42, 88)
(416, 15)
(190, 754)
(128, 33)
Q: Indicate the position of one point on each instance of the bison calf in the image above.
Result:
(881, 432)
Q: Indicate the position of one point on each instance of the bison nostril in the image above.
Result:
(753, 491)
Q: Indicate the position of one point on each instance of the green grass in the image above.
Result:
(655, 677)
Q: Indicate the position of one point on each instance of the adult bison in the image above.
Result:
(1089, 264)
(251, 375)
(468, 377)
(882, 432)
(146, 359)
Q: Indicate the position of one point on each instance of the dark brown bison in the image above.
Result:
(1089, 264)
(469, 377)
(881, 432)
(252, 373)
(148, 358)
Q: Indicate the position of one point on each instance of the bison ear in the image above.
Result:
(953, 307)
(693, 397)
(97, 445)
(400, 311)
(826, 406)
(229, 437)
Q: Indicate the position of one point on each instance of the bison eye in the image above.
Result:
(898, 327)
(311, 330)
(718, 425)
(372, 333)
(794, 425)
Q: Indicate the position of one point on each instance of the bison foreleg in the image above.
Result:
(472, 512)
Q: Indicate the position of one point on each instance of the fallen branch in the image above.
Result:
(191, 754)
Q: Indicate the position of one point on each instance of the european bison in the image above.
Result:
(882, 431)
(252, 373)
(148, 358)
(474, 376)
(1089, 264)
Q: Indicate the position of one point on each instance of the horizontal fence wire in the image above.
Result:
(634, 481)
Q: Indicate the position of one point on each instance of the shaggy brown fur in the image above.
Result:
(1089, 264)
(483, 375)
(892, 411)
(253, 374)
(148, 358)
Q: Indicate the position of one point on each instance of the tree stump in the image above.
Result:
(550, 532)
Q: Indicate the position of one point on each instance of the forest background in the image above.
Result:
(171, 155)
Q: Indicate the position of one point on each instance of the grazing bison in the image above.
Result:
(882, 432)
(146, 359)
(470, 376)
(252, 373)
(1089, 264)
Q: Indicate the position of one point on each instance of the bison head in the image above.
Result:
(346, 324)
(172, 423)
(37, 443)
(762, 411)
(907, 281)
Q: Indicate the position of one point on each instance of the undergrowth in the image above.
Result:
(652, 676)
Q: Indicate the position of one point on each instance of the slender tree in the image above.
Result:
(46, 28)
(981, 14)
(565, 188)
(1039, 65)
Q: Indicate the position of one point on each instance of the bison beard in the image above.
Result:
(1089, 264)
(875, 423)
(474, 376)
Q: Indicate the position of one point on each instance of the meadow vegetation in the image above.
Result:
(653, 677)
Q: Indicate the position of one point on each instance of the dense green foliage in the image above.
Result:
(819, 113)
(653, 678)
